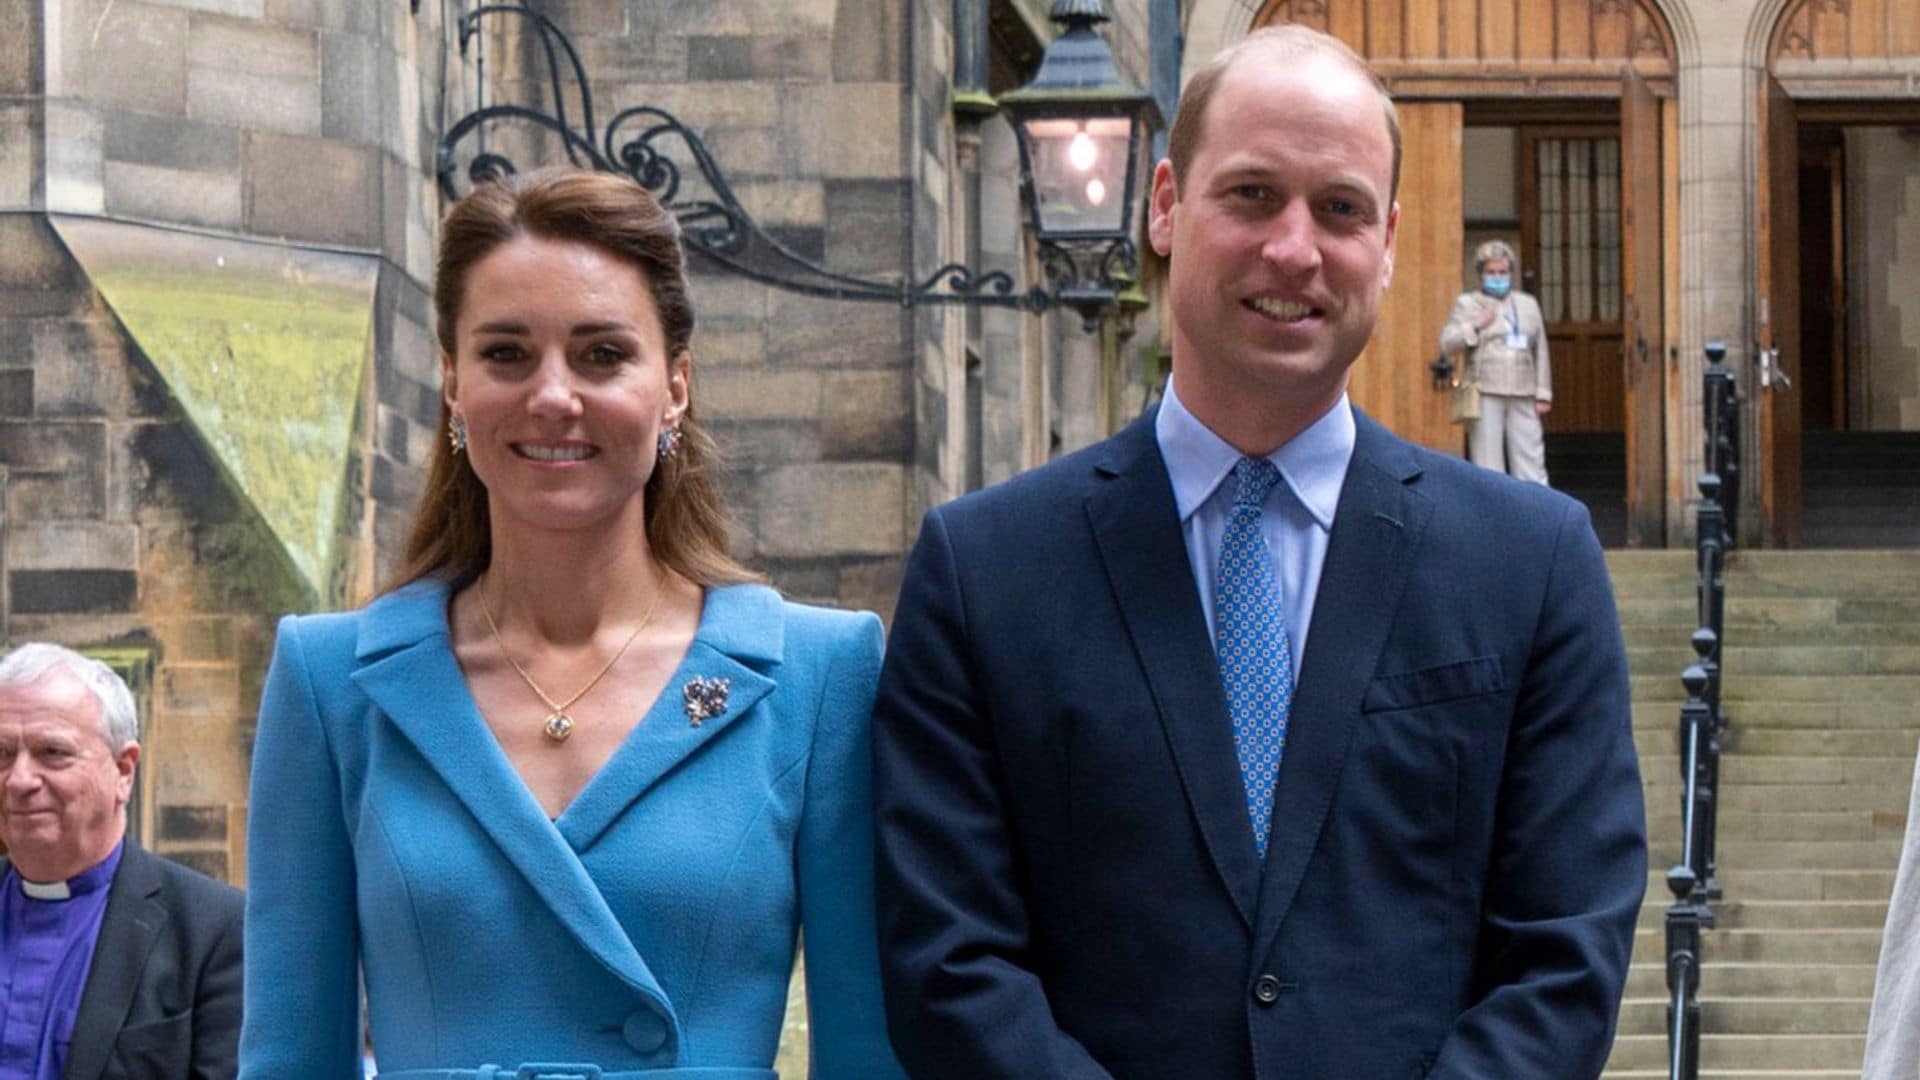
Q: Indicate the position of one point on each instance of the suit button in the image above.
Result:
(1266, 989)
(645, 1031)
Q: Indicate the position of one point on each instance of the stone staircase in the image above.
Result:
(1823, 691)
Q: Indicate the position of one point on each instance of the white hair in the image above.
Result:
(28, 664)
(1495, 249)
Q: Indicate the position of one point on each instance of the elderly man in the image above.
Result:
(114, 963)
(1256, 741)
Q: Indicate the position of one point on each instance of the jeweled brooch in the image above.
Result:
(706, 698)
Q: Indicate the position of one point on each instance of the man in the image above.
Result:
(1254, 741)
(114, 964)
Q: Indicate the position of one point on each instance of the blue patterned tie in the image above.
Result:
(1250, 634)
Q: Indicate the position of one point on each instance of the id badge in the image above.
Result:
(1517, 339)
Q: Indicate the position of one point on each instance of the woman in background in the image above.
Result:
(1505, 339)
(566, 794)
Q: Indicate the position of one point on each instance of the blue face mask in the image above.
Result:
(1496, 285)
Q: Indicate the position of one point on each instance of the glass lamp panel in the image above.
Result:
(1080, 173)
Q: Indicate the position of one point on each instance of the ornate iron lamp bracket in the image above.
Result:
(649, 143)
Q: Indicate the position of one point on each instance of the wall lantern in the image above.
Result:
(1082, 127)
(1081, 130)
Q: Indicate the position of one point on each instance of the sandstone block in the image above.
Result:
(55, 469)
(351, 106)
(128, 53)
(736, 395)
(864, 139)
(863, 416)
(85, 592)
(831, 509)
(72, 545)
(760, 56)
(186, 196)
(867, 42)
(20, 139)
(173, 142)
(75, 182)
(254, 102)
(312, 189)
(253, 48)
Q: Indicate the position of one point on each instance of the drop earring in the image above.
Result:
(668, 444)
(457, 433)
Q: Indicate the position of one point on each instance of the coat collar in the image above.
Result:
(407, 668)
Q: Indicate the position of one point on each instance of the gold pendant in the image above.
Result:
(558, 726)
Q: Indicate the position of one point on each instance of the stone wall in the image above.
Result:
(1883, 278)
(217, 374)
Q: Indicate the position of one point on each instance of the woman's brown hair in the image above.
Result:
(686, 520)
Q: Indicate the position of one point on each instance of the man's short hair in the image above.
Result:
(28, 664)
(1287, 39)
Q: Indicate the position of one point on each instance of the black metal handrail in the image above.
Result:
(1694, 881)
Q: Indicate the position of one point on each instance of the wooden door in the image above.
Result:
(1643, 320)
(1777, 412)
(1390, 380)
(1570, 232)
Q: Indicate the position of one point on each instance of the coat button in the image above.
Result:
(1266, 989)
(645, 1031)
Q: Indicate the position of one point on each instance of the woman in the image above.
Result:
(1501, 331)
(565, 794)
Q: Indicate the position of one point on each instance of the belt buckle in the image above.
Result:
(549, 1071)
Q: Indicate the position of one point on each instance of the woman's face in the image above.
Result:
(562, 374)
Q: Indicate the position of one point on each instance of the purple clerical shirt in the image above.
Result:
(46, 947)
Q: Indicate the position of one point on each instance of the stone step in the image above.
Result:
(1738, 660)
(1649, 980)
(1741, 1054)
(1754, 1016)
(1751, 914)
(1794, 884)
(1860, 945)
(1878, 715)
(1748, 685)
(1677, 612)
(1658, 759)
(1664, 793)
(1763, 825)
(1738, 741)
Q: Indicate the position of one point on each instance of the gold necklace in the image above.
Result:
(558, 725)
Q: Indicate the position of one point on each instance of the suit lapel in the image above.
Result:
(420, 688)
(128, 929)
(740, 626)
(1376, 531)
(1137, 531)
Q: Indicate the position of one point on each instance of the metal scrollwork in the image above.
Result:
(650, 145)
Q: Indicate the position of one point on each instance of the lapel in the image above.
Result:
(407, 668)
(1137, 531)
(128, 929)
(1376, 531)
(741, 628)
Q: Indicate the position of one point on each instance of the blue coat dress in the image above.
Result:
(650, 927)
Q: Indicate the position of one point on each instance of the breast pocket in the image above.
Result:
(1436, 685)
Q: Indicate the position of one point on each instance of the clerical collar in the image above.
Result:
(94, 877)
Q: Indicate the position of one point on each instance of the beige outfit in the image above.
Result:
(1893, 1029)
(1507, 360)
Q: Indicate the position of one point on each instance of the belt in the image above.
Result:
(544, 1071)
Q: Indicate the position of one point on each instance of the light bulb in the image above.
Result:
(1096, 192)
(1081, 152)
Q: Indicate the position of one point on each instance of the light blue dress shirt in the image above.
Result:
(1297, 516)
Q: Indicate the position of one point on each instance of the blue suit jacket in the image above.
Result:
(651, 926)
(1067, 883)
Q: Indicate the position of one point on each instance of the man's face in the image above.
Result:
(65, 789)
(1280, 236)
